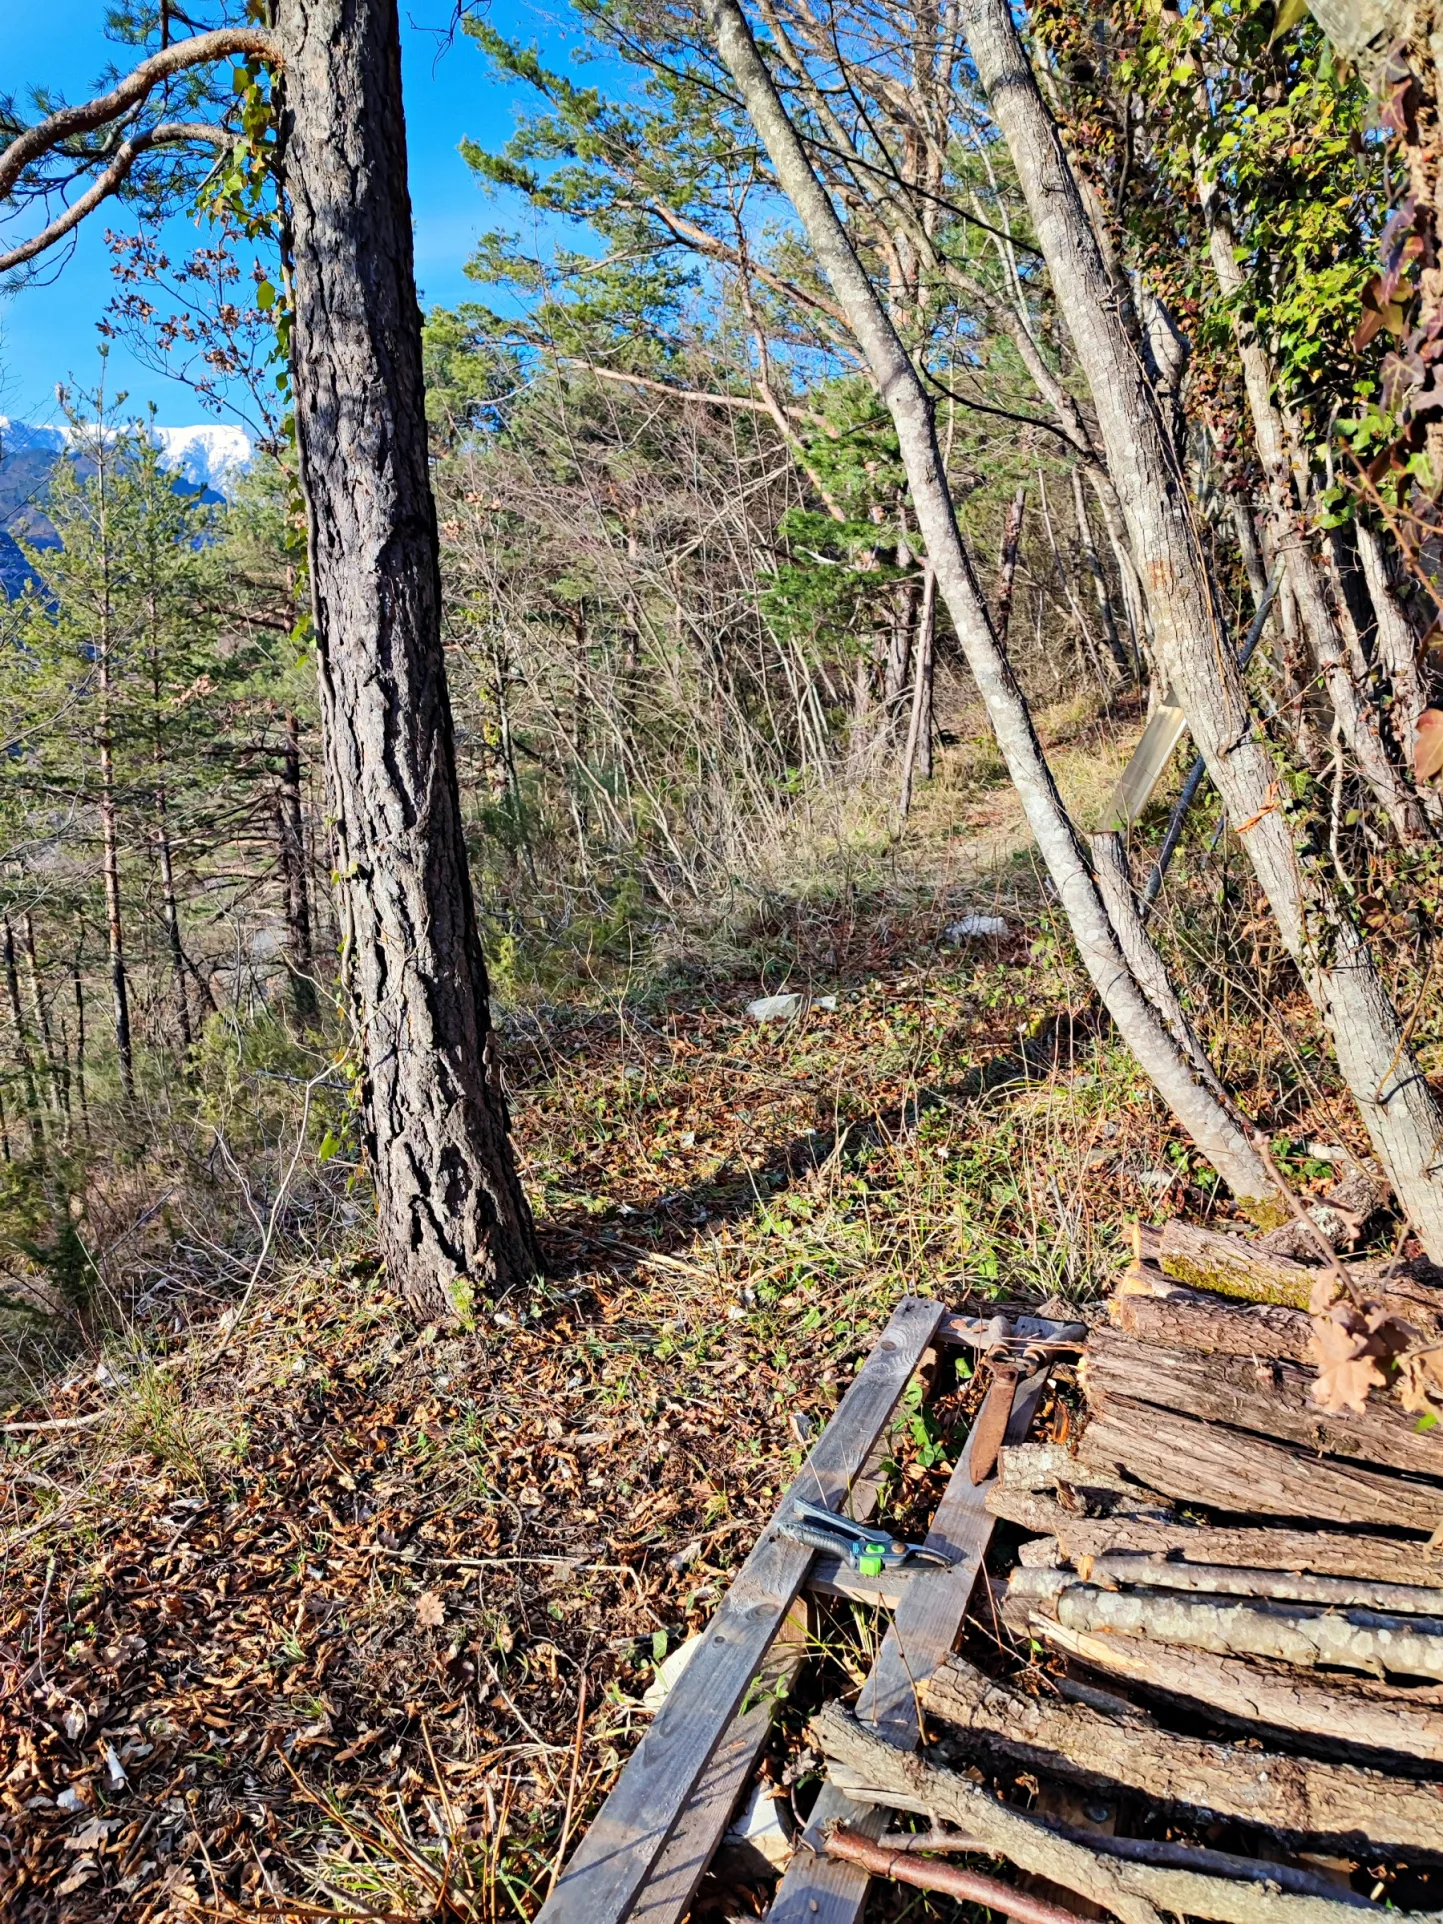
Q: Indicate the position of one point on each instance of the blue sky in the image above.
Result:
(47, 334)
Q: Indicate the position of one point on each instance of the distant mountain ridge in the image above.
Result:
(209, 456)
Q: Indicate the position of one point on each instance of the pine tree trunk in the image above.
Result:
(1007, 572)
(291, 840)
(917, 756)
(1211, 1127)
(80, 1089)
(1403, 1116)
(22, 1047)
(54, 1079)
(109, 826)
(169, 906)
(453, 1219)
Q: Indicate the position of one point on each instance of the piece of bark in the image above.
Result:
(1207, 1259)
(1197, 1319)
(1130, 1567)
(1294, 1795)
(1135, 1893)
(1368, 1640)
(1063, 1538)
(1267, 1396)
(1196, 1462)
(1354, 1712)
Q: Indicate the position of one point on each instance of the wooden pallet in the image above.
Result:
(650, 1844)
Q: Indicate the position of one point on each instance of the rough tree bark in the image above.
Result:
(1286, 1793)
(871, 1770)
(22, 1046)
(291, 840)
(453, 1218)
(1215, 1132)
(1007, 572)
(1402, 1114)
(1352, 1712)
(1260, 1393)
(1243, 1474)
(1367, 1640)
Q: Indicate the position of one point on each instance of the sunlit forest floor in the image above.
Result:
(306, 1603)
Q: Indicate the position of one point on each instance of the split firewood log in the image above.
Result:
(1227, 1469)
(1132, 1569)
(1050, 1466)
(1372, 1641)
(1195, 1319)
(1206, 1259)
(1065, 1538)
(871, 1770)
(1294, 1795)
(1267, 1396)
(1352, 1712)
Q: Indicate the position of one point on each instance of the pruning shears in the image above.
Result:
(869, 1551)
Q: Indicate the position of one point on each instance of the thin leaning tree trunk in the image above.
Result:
(917, 756)
(454, 1222)
(1212, 1128)
(1403, 1116)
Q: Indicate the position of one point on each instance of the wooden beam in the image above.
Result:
(616, 1856)
(815, 1888)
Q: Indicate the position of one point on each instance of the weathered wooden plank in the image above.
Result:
(616, 1856)
(687, 1852)
(815, 1888)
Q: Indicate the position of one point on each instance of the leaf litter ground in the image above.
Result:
(322, 1615)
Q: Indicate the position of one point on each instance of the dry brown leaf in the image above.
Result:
(1324, 1293)
(1420, 1384)
(1428, 745)
(1347, 1368)
(430, 1610)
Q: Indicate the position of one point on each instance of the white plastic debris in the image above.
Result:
(784, 1008)
(764, 1828)
(971, 926)
(668, 1670)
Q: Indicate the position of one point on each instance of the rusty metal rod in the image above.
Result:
(884, 1860)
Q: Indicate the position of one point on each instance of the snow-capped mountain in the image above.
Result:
(210, 455)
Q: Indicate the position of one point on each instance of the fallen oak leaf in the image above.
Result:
(1428, 745)
(1347, 1367)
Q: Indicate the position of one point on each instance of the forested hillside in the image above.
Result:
(866, 715)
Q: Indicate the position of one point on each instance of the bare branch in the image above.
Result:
(745, 401)
(66, 122)
(168, 134)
